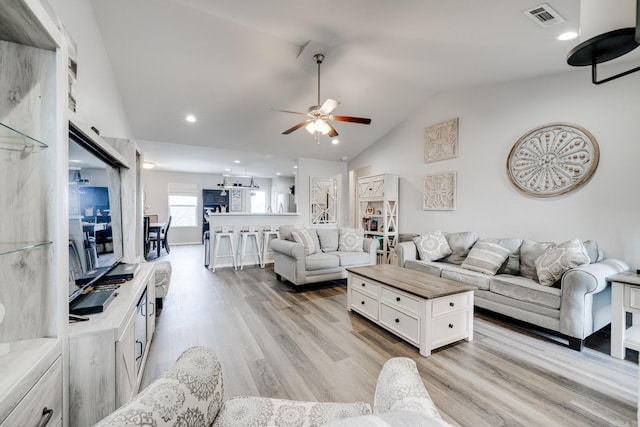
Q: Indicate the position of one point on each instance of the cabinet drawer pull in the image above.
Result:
(363, 285)
(362, 302)
(451, 325)
(398, 299)
(397, 320)
(46, 416)
(451, 304)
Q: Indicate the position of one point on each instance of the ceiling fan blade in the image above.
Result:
(360, 120)
(328, 106)
(333, 132)
(289, 111)
(296, 127)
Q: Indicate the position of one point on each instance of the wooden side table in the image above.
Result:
(625, 298)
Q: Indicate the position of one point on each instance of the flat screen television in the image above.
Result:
(95, 217)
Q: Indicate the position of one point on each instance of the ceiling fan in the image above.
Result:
(319, 115)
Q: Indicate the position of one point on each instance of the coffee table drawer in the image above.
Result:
(449, 328)
(364, 304)
(401, 323)
(366, 286)
(450, 303)
(402, 300)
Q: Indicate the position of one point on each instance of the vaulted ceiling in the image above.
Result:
(230, 63)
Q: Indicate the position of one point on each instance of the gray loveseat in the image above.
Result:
(324, 257)
(573, 300)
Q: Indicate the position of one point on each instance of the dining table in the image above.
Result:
(157, 227)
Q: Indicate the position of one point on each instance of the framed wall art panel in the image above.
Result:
(439, 192)
(441, 141)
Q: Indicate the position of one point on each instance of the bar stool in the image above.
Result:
(245, 233)
(219, 234)
(267, 234)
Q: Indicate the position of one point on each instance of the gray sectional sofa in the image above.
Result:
(561, 288)
(323, 258)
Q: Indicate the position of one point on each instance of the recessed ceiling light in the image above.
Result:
(148, 165)
(569, 35)
(295, 166)
(278, 173)
(190, 118)
(344, 159)
(335, 141)
(236, 161)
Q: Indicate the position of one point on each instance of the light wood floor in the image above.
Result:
(275, 342)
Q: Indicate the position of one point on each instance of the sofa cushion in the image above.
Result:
(468, 277)
(486, 257)
(529, 252)
(304, 236)
(554, 262)
(433, 268)
(348, 259)
(329, 238)
(460, 244)
(512, 265)
(432, 246)
(321, 261)
(527, 290)
(351, 239)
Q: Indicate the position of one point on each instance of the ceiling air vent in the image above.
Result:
(544, 15)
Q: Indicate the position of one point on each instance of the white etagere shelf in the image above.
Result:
(378, 212)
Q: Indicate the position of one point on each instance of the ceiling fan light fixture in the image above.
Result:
(318, 125)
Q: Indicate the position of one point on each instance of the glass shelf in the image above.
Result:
(7, 248)
(8, 135)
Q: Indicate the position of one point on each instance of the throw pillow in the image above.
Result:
(460, 244)
(554, 262)
(304, 236)
(529, 252)
(329, 238)
(286, 231)
(592, 250)
(432, 246)
(512, 266)
(351, 239)
(486, 258)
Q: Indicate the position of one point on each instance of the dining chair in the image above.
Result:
(152, 218)
(164, 243)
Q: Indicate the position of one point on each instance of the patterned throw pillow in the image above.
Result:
(432, 246)
(351, 239)
(554, 262)
(304, 236)
(486, 258)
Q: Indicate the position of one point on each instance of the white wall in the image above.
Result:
(97, 95)
(491, 119)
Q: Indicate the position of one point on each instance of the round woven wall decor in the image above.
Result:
(553, 159)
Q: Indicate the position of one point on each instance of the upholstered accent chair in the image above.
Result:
(191, 393)
(163, 280)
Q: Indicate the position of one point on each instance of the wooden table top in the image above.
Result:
(629, 277)
(415, 282)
